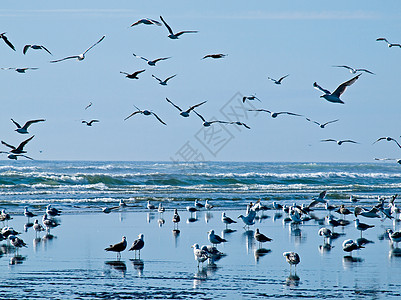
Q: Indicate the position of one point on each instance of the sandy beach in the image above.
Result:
(74, 264)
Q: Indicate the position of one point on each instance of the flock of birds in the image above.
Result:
(333, 97)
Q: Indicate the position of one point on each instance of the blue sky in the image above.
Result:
(261, 39)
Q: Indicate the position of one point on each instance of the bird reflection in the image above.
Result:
(138, 265)
(17, 260)
(150, 217)
(161, 222)
(349, 261)
(248, 235)
(208, 216)
(118, 265)
(325, 248)
(176, 235)
(27, 226)
(277, 216)
(192, 219)
(292, 280)
(36, 243)
(394, 251)
(260, 253)
(199, 277)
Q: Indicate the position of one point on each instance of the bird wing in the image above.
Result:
(350, 141)
(22, 145)
(318, 87)
(341, 88)
(396, 142)
(364, 70)
(155, 22)
(203, 119)
(307, 119)
(243, 124)
(196, 105)
(343, 66)
(272, 79)
(28, 123)
(26, 156)
(159, 59)
(68, 57)
(167, 79)
(144, 58)
(283, 77)
(7, 42)
(330, 122)
(398, 45)
(92, 121)
(136, 23)
(185, 31)
(89, 105)
(158, 79)
(134, 113)
(379, 139)
(322, 194)
(168, 27)
(217, 121)
(157, 117)
(125, 73)
(26, 47)
(173, 104)
(44, 48)
(289, 113)
(138, 72)
(101, 39)
(383, 39)
(16, 124)
(328, 140)
(8, 145)
(265, 110)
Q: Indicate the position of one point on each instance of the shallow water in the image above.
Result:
(74, 265)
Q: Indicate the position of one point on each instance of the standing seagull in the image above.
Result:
(146, 21)
(275, 114)
(146, 113)
(173, 35)
(20, 148)
(389, 139)
(90, 122)
(362, 226)
(176, 219)
(261, 238)
(133, 75)
(278, 81)
(151, 62)
(323, 124)
(388, 43)
(80, 56)
(35, 47)
(335, 96)
(292, 258)
(227, 220)
(137, 245)
(24, 129)
(354, 70)
(28, 213)
(185, 113)
(215, 239)
(5, 39)
(163, 82)
(340, 141)
(118, 247)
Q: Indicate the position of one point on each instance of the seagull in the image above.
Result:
(137, 245)
(24, 129)
(373, 213)
(133, 75)
(215, 56)
(251, 97)
(89, 105)
(176, 218)
(108, 210)
(161, 209)
(354, 71)
(319, 199)
(35, 47)
(362, 226)
(20, 148)
(292, 258)
(343, 210)
(164, 82)
(49, 223)
(275, 114)
(278, 81)
(208, 206)
(118, 247)
(248, 220)
(227, 220)
(322, 125)
(146, 113)
(350, 245)
(146, 21)
(90, 122)
(335, 96)
(389, 139)
(53, 212)
(199, 254)
(198, 205)
(395, 237)
(388, 43)
(396, 159)
(151, 62)
(15, 156)
(173, 35)
(150, 206)
(209, 123)
(5, 39)
(215, 239)
(17, 242)
(325, 232)
(37, 227)
(28, 214)
(80, 56)
(186, 112)
(261, 238)
(20, 70)
(340, 141)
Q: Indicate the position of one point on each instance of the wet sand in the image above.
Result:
(74, 264)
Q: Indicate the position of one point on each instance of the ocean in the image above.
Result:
(85, 186)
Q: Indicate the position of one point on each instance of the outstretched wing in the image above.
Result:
(318, 87)
(27, 124)
(101, 39)
(310, 120)
(185, 31)
(341, 88)
(168, 27)
(7, 42)
(16, 124)
(157, 117)
(167, 79)
(134, 113)
(343, 66)
(330, 122)
(328, 140)
(195, 106)
(379, 139)
(92, 121)
(383, 39)
(283, 77)
(26, 156)
(8, 145)
(158, 79)
(22, 145)
(125, 73)
(365, 70)
(69, 57)
(350, 141)
(289, 113)
(26, 47)
(265, 110)
(177, 107)
(203, 119)
(159, 59)
(138, 72)
(44, 48)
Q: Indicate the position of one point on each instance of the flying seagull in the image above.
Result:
(173, 35)
(251, 97)
(340, 141)
(335, 96)
(208, 123)
(90, 122)
(24, 129)
(389, 139)
(239, 124)
(80, 56)
(163, 82)
(35, 47)
(215, 56)
(15, 156)
(20, 148)
(151, 62)
(89, 105)
(323, 124)
(146, 113)
(146, 21)
(133, 75)
(388, 43)
(19, 70)
(397, 160)
(5, 39)
(354, 70)
(278, 81)
(275, 114)
(186, 112)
